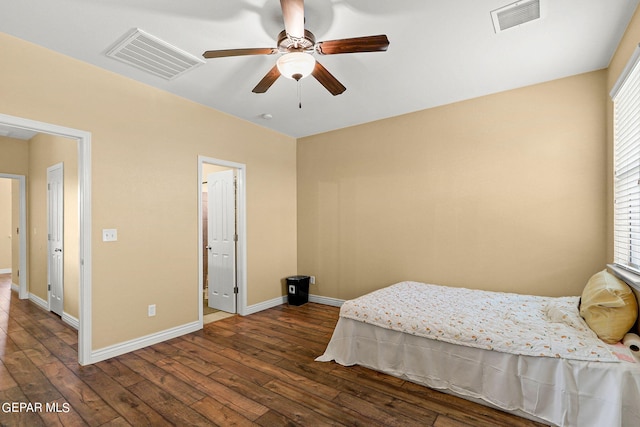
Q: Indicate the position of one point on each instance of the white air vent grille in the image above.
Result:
(155, 56)
(515, 14)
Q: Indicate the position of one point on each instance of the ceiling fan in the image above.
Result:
(297, 45)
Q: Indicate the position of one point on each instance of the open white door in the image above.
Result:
(222, 240)
(55, 222)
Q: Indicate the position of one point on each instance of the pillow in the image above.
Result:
(609, 307)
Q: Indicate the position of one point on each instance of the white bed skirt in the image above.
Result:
(557, 391)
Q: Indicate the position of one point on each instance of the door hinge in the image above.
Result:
(235, 290)
(49, 236)
(49, 287)
(235, 237)
(18, 230)
(18, 273)
(48, 186)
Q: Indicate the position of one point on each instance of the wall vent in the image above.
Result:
(515, 14)
(155, 56)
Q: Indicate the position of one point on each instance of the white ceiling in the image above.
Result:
(441, 51)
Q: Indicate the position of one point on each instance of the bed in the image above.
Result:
(529, 355)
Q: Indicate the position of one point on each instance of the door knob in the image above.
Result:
(57, 250)
(208, 247)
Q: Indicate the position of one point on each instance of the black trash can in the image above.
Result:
(298, 290)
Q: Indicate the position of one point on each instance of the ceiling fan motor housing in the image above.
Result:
(287, 43)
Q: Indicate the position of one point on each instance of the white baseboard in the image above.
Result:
(283, 300)
(67, 318)
(39, 301)
(265, 305)
(5, 270)
(138, 343)
(326, 300)
(71, 321)
(15, 288)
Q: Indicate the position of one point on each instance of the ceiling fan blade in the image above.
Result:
(354, 45)
(327, 80)
(267, 80)
(239, 52)
(293, 15)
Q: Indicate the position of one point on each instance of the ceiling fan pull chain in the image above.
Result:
(300, 94)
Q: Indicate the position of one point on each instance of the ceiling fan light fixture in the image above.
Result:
(296, 65)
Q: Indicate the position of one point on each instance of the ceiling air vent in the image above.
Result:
(515, 14)
(155, 56)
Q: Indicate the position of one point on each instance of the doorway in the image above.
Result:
(6, 225)
(83, 142)
(220, 248)
(222, 251)
(18, 255)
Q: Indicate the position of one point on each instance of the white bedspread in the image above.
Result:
(504, 322)
(562, 392)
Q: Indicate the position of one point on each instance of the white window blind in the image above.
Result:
(626, 163)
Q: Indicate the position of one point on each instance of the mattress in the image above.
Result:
(555, 390)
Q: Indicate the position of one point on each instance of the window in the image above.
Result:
(626, 164)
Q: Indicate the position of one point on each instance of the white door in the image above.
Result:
(55, 221)
(222, 240)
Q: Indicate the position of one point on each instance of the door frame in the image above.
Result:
(22, 234)
(241, 245)
(83, 139)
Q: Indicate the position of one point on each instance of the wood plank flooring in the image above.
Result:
(240, 371)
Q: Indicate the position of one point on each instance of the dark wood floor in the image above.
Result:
(253, 370)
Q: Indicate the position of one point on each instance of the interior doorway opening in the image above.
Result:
(222, 238)
(82, 141)
(13, 253)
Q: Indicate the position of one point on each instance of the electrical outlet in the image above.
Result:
(312, 280)
(152, 310)
(109, 235)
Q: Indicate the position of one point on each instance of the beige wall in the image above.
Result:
(45, 151)
(627, 46)
(145, 147)
(15, 156)
(5, 224)
(505, 192)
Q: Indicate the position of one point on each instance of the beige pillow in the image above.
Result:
(609, 306)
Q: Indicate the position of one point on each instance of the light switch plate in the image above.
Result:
(109, 235)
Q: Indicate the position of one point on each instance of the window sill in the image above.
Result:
(632, 279)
